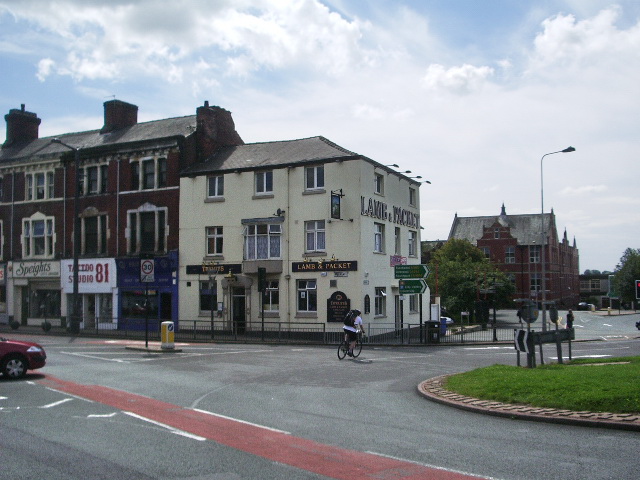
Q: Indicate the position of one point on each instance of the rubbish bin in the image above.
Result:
(433, 332)
(443, 327)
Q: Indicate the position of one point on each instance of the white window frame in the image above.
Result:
(215, 186)
(314, 177)
(534, 254)
(272, 290)
(535, 282)
(264, 182)
(29, 239)
(160, 241)
(214, 234)
(510, 254)
(413, 303)
(39, 185)
(158, 173)
(413, 243)
(380, 302)
(397, 241)
(378, 184)
(413, 197)
(378, 237)
(271, 232)
(102, 237)
(315, 236)
(305, 291)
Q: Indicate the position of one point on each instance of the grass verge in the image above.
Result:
(611, 385)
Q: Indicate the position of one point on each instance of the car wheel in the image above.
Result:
(14, 367)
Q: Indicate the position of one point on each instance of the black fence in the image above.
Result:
(202, 330)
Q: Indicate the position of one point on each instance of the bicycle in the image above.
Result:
(343, 348)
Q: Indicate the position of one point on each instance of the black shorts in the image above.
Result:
(353, 336)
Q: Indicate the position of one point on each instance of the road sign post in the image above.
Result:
(412, 286)
(411, 271)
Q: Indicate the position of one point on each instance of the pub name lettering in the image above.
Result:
(377, 209)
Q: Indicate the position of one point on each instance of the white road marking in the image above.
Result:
(435, 467)
(55, 404)
(108, 415)
(240, 421)
(69, 394)
(168, 427)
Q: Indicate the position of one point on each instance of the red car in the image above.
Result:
(16, 357)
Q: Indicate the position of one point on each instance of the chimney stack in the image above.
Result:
(119, 114)
(215, 129)
(22, 126)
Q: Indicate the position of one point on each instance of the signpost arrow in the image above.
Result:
(412, 286)
(411, 271)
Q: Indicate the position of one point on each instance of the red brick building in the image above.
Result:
(513, 243)
(128, 209)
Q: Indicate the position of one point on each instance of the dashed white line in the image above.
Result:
(55, 404)
(108, 415)
(168, 427)
(435, 467)
(240, 421)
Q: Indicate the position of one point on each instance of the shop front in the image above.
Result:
(34, 291)
(97, 287)
(148, 292)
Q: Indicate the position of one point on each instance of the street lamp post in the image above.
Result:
(544, 238)
(74, 325)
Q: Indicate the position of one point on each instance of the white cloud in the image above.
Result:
(45, 66)
(583, 190)
(463, 79)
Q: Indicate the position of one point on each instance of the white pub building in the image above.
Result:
(316, 227)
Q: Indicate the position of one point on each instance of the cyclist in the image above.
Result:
(352, 325)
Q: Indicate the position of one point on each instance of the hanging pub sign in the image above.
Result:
(336, 196)
(330, 266)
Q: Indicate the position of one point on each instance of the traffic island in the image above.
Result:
(433, 389)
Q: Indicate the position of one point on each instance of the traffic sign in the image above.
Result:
(412, 286)
(411, 271)
(147, 270)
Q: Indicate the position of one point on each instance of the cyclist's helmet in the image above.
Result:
(357, 312)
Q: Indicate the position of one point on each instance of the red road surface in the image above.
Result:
(327, 460)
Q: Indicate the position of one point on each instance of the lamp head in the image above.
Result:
(568, 149)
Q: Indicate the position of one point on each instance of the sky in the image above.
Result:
(469, 95)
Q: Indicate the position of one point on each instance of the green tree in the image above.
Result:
(462, 272)
(626, 273)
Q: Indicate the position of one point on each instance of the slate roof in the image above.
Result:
(272, 154)
(157, 133)
(527, 228)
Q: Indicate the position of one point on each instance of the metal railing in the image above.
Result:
(269, 331)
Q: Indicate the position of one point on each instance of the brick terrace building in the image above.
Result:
(128, 207)
(513, 244)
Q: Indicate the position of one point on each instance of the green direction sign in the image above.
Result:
(411, 271)
(412, 286)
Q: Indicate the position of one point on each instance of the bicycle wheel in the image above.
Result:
(357, 348)
(342, 350)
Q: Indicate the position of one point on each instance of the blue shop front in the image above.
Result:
(148, 291)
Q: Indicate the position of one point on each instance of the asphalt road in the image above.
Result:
(221, 411)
